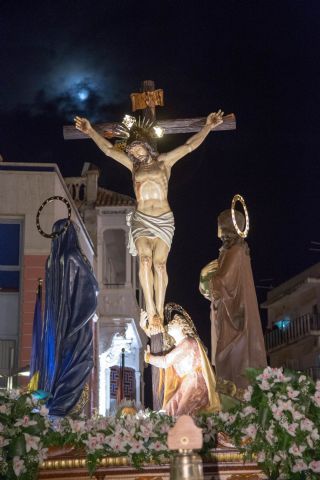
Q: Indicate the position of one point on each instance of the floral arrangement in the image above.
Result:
(278, 424)
(23, 427)
(141, 437)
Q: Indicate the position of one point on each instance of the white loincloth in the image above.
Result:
(142, 225)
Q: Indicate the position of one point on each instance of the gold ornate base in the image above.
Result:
(223, 464)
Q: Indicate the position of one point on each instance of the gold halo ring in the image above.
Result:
(49, 200)
(239, 198)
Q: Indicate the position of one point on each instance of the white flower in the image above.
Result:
(291, 428)
(302, 378)
(315, 435)
(248, 411)
(299, 466)
(165, 428)
(116, 444)
(25, 422)
(281, 455)
(1, 427)
(224, 416)
(5, 409)
(292, 393)
(77, 426)
(32, 442)
(3, 441)
(315, 466)
(309, 441)
(250, 431)
(14, 393)
(248, 393)
(296, 415)
(261, 457)
(306, 425)
(43, 411)
(265, 385)
(271, 438)
(42, 454)
(276, 412)
(137, 447)
(158, 446)
(93, 443)
(286, 405)
(316, 398)
(297, 450)
(18, 466)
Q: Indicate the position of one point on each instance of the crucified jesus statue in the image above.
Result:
(152, 223)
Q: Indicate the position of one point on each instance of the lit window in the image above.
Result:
(283, 323)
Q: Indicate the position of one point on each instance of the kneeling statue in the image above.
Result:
(189, 382)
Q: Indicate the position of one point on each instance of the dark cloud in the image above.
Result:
(259, 59)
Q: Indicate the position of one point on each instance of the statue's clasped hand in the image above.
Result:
(147, 354)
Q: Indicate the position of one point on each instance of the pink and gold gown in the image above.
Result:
(189, 379)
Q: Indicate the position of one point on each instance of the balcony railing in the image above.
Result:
(298, 328)
(313, 372)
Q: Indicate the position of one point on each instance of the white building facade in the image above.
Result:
(120, 299)
(293, 339)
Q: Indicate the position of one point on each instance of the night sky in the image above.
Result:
(258, 59)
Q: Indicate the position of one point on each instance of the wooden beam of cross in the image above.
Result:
(179, 125)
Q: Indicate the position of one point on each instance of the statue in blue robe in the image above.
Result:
(71, 301)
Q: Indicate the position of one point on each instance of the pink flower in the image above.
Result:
(18, 466)
(297, 450)
(299, 466)
(31, 442)
(315, 466)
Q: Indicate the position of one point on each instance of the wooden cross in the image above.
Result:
(147, 101)
(179, 125)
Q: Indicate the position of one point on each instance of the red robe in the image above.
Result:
(237, 339)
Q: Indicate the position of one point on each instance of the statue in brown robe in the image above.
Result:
(236, 333)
